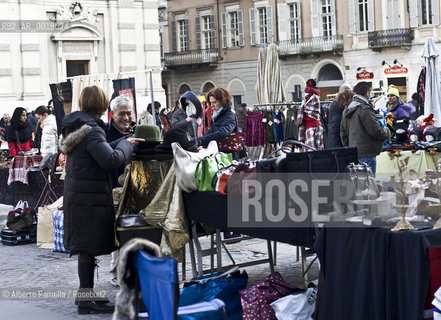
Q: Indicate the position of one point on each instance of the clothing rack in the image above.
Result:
(118, 75)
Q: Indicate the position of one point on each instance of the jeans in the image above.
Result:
(370, 161)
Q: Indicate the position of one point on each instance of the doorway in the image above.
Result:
(401, 84)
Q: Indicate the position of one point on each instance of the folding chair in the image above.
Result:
(158, 279)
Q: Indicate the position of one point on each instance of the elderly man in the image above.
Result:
(121, 124)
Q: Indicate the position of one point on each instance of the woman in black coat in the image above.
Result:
(343, 99)
(224, 120)
(89, 218)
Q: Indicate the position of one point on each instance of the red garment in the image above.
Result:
(16, 147)
(208, 117)
(310, 122)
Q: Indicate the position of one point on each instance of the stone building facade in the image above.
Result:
(100, 37)
(216, 43)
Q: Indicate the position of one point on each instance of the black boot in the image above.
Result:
(93, 307)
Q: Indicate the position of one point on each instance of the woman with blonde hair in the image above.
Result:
(89, 217)
(343, 99)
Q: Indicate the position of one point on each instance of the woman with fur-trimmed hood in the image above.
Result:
(89, 218)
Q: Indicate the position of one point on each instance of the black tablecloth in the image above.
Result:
(210, 208)
(28, 192)
(373, 273)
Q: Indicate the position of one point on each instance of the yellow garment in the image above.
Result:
(390, 119)
(167, 211)
(418, 163)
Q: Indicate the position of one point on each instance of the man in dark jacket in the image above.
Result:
(360, 128)
(121, 124)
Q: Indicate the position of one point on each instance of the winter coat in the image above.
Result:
(179, 121)
(334, 119)
(220, 127)
(23, 132)
(360, 128)
(49, 136)
(89, 218)
(401, 109)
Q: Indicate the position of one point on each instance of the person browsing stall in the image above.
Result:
(359, 127)
(182, 120)
(4, 123)
(19, 133)
(121, 123)
(343, 99)
(89, 217)
(397, 107)
(224, 120)
(49, 133)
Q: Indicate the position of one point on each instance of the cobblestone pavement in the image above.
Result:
(28, 268)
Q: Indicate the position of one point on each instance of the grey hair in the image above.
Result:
(343, 87)
(120, 100)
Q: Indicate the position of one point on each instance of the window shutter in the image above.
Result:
(198, 33)
(174, 38)
(252, 26)
(435, 12)
(371, 15)
(353, 16)
(299, 4)
(284, 31)
(224, 30)
(212, 32)
(269, 23)
(315, 19)
(333, 22)
(187, 35)
(413, 13)
(241, 36)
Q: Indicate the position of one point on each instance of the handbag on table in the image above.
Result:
(208, 167)
(185, 163)
(232, 143)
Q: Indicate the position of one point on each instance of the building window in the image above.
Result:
(76, 68)
(363, 15)
(426, 8)
(262, 25)
(206, 33)
(181, 26)
(232, 29)
(294, 21)
(233, 18)
(326, 18)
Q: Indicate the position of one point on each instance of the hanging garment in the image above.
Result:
(421, 89)
(61, 96)
(269, 127)
(310, 126)
(254, 129)
(291, 129)
(278, 119)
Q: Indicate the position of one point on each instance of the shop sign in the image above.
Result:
(395, 70)
(365, 75)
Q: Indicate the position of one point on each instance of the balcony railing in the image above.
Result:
(311, 45)
(206, 56)
(390, 38)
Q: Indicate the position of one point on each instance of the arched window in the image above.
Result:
(184, 88)
(329, 72)
(207, 87)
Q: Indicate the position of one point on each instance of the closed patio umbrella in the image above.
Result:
(269, 87)
(432, 97)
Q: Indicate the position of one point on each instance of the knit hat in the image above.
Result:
(393, 90)
(311, 83)
(401, 126)
(191, 104)
(179, 136)
(417, 132)
(431, 131)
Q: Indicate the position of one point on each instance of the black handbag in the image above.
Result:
(333, 160)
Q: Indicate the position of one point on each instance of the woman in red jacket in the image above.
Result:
(19, 133)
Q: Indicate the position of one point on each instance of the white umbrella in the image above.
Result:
(432, 97)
